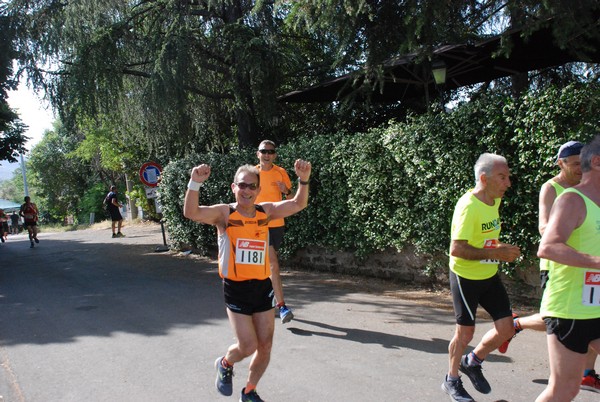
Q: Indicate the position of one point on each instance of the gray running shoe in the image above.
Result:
(224, 382)
(455, 389)
(475, 375)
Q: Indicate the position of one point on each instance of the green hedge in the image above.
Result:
(396, 186)
(174, 178)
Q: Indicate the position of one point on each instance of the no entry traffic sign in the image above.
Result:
(150, 173)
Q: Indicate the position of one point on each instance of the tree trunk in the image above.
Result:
(520, 82)
(247, 129)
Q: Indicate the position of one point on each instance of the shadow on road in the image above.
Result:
(390, 341)
(85, 284)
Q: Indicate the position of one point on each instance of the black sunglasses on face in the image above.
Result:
(267, 151)
(242, 186)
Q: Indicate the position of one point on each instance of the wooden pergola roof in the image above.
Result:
(407, 77)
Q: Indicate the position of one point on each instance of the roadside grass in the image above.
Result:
(102, 225)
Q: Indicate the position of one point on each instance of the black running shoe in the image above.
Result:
(251, 396)
(475, 375)
(455, 389)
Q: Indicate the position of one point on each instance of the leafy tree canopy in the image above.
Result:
(12, 129)
(176, 73)
(179, 77)
(58, 180)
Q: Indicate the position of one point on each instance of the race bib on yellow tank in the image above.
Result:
(591, 289)
(250, 252)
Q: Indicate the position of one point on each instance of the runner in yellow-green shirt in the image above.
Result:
(475, 252)
(571, 301)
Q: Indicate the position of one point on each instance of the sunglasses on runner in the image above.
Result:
(267, 151)
(242, 186)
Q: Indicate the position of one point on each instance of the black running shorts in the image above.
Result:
(575, 335)
(467, 294)
(276, 237)
(248, 297)
(115, 214)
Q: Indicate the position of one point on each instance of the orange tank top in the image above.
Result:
(269, 190)
(244, 247)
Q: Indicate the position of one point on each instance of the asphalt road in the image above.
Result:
(84, 317)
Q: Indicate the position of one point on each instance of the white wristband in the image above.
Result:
(194, 185)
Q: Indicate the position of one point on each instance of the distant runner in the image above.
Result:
(29, 212)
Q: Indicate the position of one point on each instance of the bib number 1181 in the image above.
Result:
(250, 252)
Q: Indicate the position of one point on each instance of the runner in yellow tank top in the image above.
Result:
(242, 230)
(567, 159)
(573, 293)
(571, 302)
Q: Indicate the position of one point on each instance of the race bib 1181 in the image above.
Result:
(591, 288)
(250, 252)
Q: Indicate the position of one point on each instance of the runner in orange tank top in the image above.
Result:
(243, 237)
(275, 184)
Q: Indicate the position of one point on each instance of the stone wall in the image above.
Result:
(399, 266)
(405, 267)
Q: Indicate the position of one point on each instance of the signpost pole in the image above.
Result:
(132, 212)
(150, 176)
(164, 247)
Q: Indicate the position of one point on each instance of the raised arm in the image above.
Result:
(212, 215)
(285, 208)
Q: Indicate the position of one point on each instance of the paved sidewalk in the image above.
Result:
(84, 317)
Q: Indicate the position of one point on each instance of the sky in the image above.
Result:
(33, 113)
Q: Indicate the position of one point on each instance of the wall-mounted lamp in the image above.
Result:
(438, 68)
